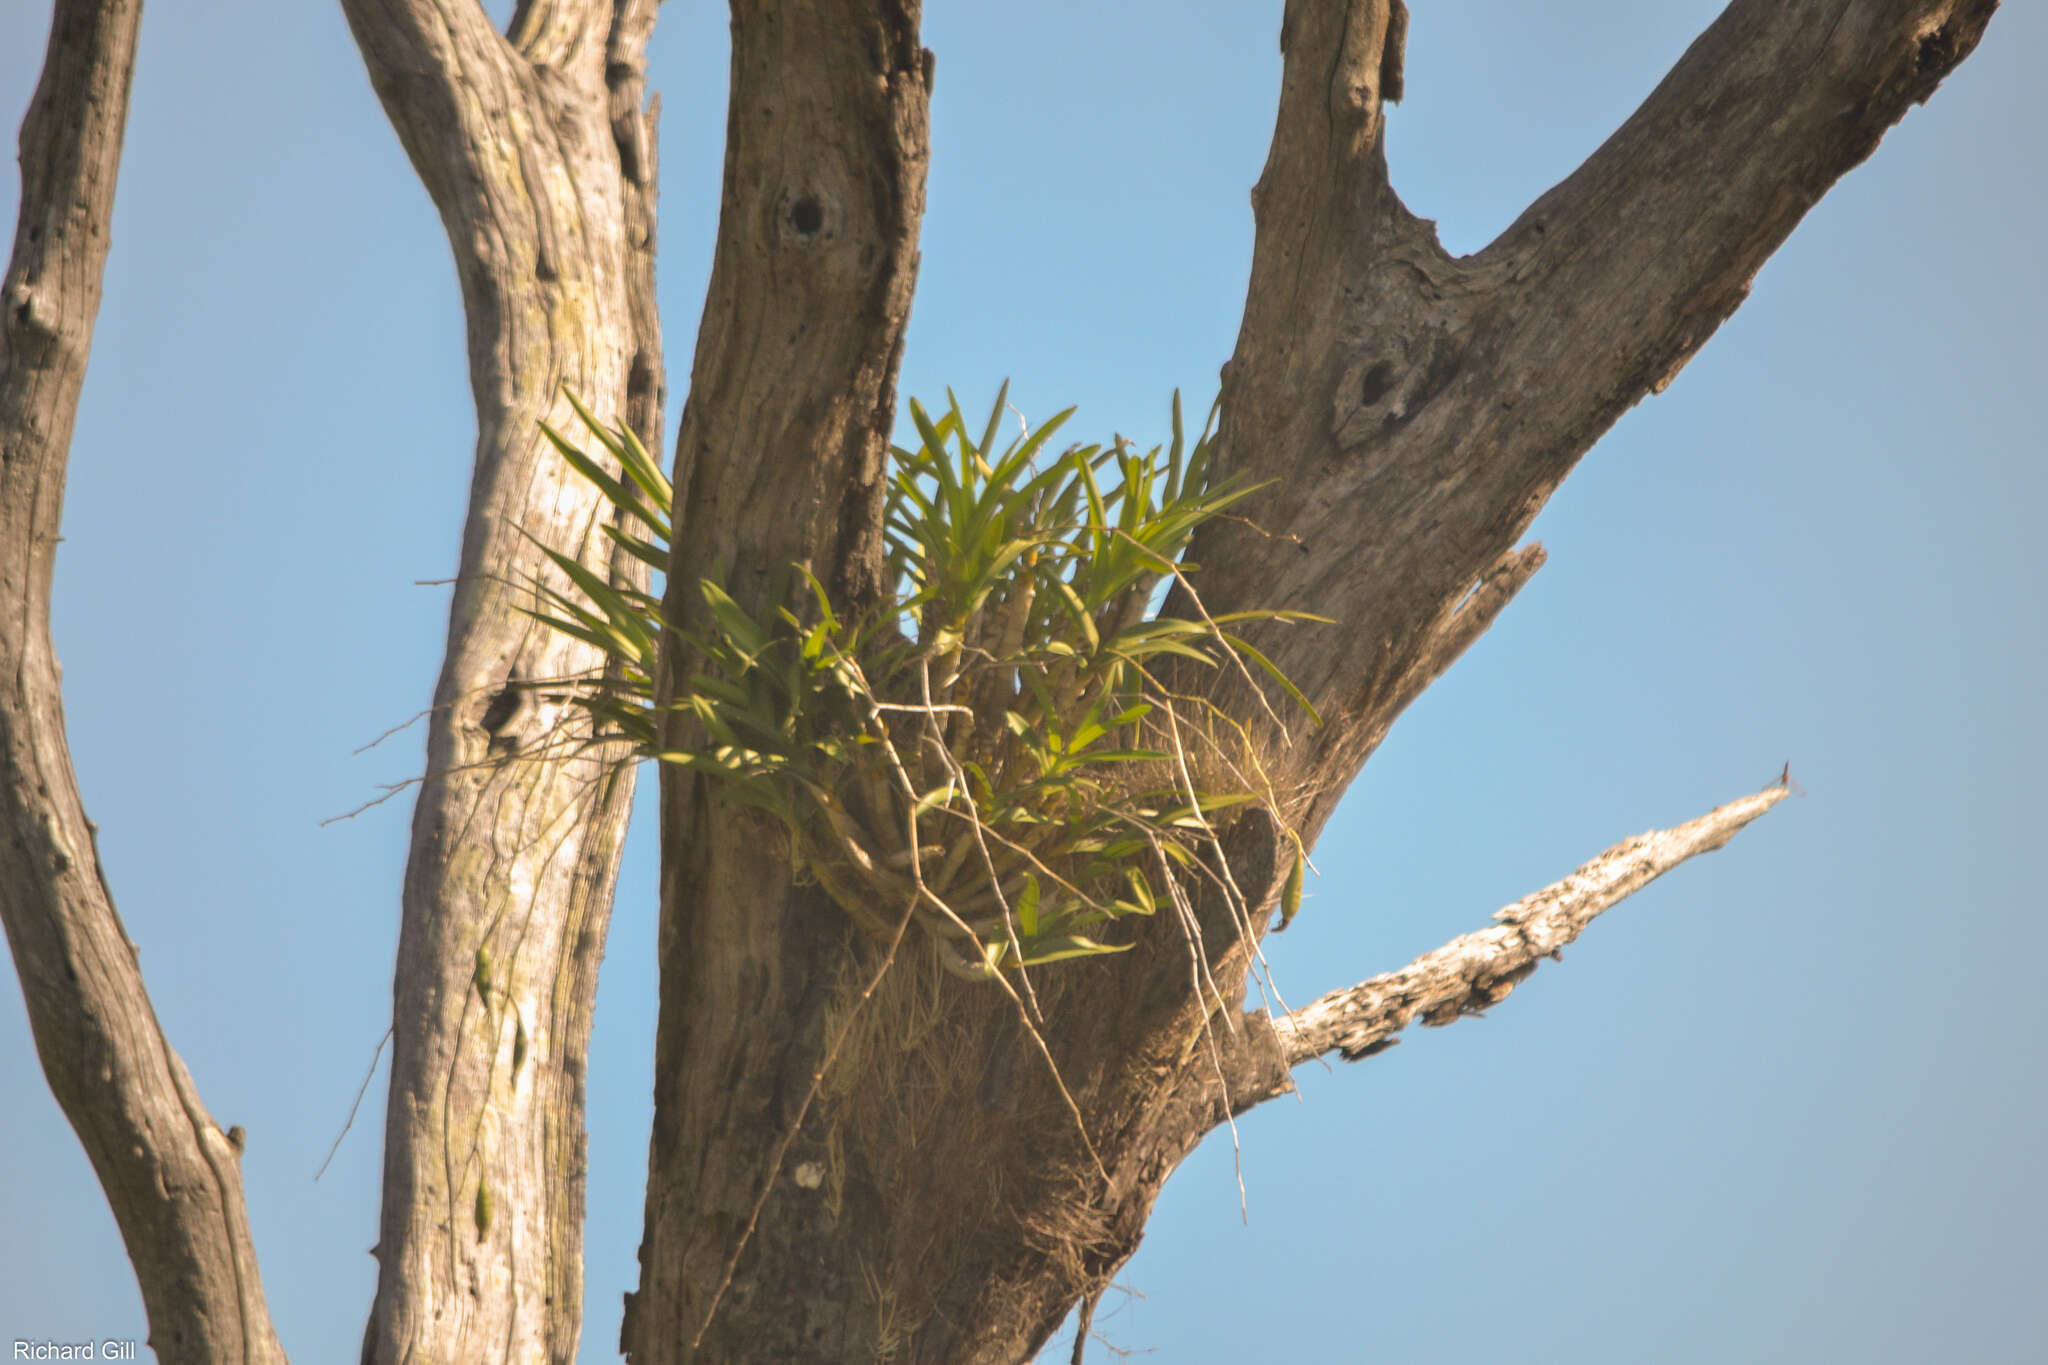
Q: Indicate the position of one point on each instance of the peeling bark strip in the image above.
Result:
(171, 1176)
(540, 157)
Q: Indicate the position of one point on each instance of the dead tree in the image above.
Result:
(1411, 410)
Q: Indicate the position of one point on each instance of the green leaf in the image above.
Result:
(1077, 611)
(1290, 895)
(617, 493)
(1027, 908)
(1272, 671)
(732, 620)
(995, 417)
(647, 552)
(1042, 951)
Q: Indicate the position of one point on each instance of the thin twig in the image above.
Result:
(1173, 567)
(361, 1091)
(1211, 1003)
(402, 725)
(1234, 897)
(578, 746)
(1023, 1013)
(995, 881)
(1083, 1323)
(390, 790)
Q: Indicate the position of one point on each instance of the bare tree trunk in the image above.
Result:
(930, 1197)
(539, 154)
(781, 457)
(172, 1177)
(935, 1202)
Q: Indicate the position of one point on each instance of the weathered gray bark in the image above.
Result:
(172, 1177)
(1416, 409)
(539, 154)
(781, 457)
(936, 1202)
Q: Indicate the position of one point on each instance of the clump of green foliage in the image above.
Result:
(991, 750)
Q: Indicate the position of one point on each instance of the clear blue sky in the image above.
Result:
(1780, 1107)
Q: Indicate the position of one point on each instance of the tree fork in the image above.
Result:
(1416, 411)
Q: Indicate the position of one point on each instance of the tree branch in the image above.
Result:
(1254, 1062)
(1476, 971)
(172, 1177)
(1634, 260)
(1417, 410)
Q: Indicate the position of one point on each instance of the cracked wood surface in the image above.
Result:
(1416, 411)
(1476, 971)
(171, 1176)
(781, 456)
(539, 151)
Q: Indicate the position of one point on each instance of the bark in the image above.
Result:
(781, 456)
(1417, 409)
(538, 152)
(935, 1202)
(833, 1176)
(1477, 971)
(172, 1177)
(1465, 977)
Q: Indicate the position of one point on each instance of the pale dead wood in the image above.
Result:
(171, 1176)
(1476, 971)
(1464, 977)
(538, 149)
